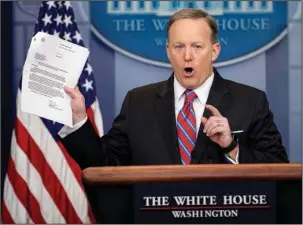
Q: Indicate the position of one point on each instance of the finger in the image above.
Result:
(70, 91)
(217, 130)
(67, 89)
(215, 122)
(78, 90)
(213, 110)
(206, 125)
(203, 120)
(209, 121)
(222, 126)
(212, 126)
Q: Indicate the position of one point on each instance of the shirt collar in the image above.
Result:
(202, 91)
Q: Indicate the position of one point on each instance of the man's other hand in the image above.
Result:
(217, 127)
(77, 104)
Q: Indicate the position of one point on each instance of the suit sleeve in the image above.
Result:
(89, 150)
(264, 144)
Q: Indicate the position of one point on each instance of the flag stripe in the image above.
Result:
(77, 172)
(31, 176)
(50, 180)
(91, 215)
(57, 166)
(16, 210)
(72, 164)
(50, 174)
(98, 117)
(6, 215)
(90, 115)
(23, 193)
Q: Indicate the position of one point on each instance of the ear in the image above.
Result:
(216, 51)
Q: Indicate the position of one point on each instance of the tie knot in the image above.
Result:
(190, 95)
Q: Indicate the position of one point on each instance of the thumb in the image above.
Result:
(70, 91)
(77, 89)
(204, 120)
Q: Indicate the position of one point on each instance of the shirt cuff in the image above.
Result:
(66, 130)
(231, 160)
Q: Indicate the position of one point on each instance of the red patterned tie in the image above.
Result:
(186, 127)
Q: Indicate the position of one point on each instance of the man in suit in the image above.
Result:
(194, 117)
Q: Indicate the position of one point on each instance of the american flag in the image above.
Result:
(43, 183)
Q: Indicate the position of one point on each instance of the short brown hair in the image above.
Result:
(190, 13)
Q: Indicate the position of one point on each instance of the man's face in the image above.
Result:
(191, 51)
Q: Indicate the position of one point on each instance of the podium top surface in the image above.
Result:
(169, 173)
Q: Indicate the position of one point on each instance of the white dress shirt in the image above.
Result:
(66, 130)
(198, 104)
(202, 93)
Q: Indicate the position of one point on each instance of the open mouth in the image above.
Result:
(188, 71)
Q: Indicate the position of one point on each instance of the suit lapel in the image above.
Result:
(165, 112)
(217, 98)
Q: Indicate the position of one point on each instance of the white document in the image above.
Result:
(50, 64)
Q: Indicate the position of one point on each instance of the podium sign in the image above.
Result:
(205, 202)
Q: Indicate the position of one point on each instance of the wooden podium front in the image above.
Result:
(213, 193)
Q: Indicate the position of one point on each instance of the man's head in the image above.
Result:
(192, 46)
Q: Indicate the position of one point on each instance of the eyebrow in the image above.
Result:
(197, 42)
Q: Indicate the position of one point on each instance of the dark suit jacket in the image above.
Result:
(144, 133)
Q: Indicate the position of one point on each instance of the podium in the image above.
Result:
(208, 193)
